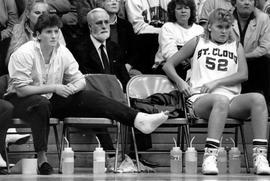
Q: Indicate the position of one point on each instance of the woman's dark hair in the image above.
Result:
(189, 3)
(47, 20)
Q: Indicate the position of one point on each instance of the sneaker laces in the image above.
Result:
(210, 159)
(260, 159)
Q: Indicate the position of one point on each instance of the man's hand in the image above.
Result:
(63, 90)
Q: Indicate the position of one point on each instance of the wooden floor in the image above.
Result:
(85, 175)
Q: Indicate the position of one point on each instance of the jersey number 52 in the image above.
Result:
(218, 64)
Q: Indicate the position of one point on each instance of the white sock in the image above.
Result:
(147, 123)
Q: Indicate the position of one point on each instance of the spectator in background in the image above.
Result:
(75, 28)
(8, 18)
(146, 17)
(121, 32)
(58, 6)
(211, 5)
(23, 32)
(179, 29)
(263, 5)
(252, 29)
(199, 5)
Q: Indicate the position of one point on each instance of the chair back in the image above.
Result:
(142, 86)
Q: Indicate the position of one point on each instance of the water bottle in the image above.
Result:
(191, 160)
(176, 160)
(68, 161)
(234, 160)
(99, 159)
(222, 160)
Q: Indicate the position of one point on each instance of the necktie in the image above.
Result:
(105, 60)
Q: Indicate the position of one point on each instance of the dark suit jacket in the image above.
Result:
(90, 62)
(126, 41)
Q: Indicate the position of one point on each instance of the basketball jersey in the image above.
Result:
(211, 62)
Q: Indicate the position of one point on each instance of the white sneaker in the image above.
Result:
(260, 163)
(209, 166)
(2, 162)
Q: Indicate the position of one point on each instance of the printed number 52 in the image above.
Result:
(221, 64)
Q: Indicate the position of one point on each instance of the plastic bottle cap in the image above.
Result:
(234, 148)
(221, 148)
(176, 148)
(191, 149)
(68, 149)
(99, 149)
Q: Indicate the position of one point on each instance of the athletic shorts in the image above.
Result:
(190, 102)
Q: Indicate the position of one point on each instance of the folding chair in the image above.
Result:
(19, 123)
(142, 86)
(230, 123)
(93, 122)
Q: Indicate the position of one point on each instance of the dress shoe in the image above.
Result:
(17, 139)
(45, 169)
(3, 171)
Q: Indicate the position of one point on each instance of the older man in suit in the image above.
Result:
(97, 54)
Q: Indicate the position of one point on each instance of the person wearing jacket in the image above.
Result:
(252, 28)
(8, 18)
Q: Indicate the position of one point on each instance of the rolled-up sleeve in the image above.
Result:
(20, 67)
(71, 72)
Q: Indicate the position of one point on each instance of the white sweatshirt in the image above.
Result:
(173, 35)
(141, 12)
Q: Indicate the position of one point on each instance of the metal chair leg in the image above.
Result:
(123, 140)
(268, 149)
(57, 141)
(64, 132)
(179, 134)
(187, 134)
(135, 149)
(236, 136)
(244, 148)
(7, 160)
(117, 147)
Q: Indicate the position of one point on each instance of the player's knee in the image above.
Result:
(221, 102)
(257, 99)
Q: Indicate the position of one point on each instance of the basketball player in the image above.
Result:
(213, 91)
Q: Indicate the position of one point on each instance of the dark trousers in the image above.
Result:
(146, 47)
(4, 44)
(258, 80)
(6, 110)
(37, 109)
